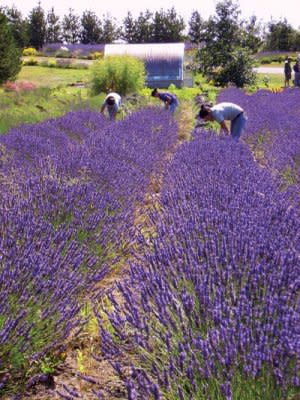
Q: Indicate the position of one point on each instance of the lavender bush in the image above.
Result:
(273, 131)
(69, 188)
(211, 309)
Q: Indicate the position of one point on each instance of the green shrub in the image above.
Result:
(31, 61)
(122, 74)
(95, 55)
(62, 53)
(29, 51)
(265, 60)
(51, 63)
(238, 70)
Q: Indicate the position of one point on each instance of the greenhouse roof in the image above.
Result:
(147, 50)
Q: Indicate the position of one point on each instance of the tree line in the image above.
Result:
(41, 27)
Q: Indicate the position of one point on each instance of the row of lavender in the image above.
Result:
(211, 310)
(273, 131)
(69, 188)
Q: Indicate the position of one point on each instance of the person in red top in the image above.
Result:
(170, 99)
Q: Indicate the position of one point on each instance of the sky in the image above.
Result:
(264, 10)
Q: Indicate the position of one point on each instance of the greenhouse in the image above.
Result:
(163, 61)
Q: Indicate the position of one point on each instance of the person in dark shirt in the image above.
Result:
(296, 69)
(170, 100)
(287, 72)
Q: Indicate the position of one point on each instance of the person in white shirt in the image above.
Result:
(225, 112)
(112, 103)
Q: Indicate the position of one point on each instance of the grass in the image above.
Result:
(53, 77)
(57, 92)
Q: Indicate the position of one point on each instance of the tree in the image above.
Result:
(53, 28)
(18, 26)
(128, 32)
(221, 51)
(37, 27)
(71, 27)
(252, 35)
(167, 26)
(10, 60)
(110, 30)
(239, 69)
(90, 28)
(197, 28)
(280, 36)
(144, 27)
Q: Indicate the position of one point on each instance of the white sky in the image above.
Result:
(265, 10)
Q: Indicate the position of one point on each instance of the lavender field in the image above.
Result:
(210, 306)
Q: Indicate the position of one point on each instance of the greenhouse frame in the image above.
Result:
(163, 61)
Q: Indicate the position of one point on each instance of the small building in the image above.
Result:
(163, 61)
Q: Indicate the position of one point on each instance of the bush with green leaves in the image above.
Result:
(122, 74)
(29, 51)
(238, 70)
(31, 61)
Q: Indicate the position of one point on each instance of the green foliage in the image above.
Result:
(196, 28)
(10, 61)
(53, 33)
(96, 55)
(18, 25)
(71, 27)
(122, 74)
(282, 36)
(91, 30)
(37, 105)
(37, 27)
(238, 70)
(225, 56)
(31, 61)
(29, 51)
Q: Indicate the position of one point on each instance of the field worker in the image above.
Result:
(225, 112)
(287, 71)
(170, 100)
(112, 103)
(296, 69)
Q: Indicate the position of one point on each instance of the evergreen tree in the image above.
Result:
(129, 28)
(174, 26)
(71, 27)
(10, 61)
(197, 28)
(167, 26)
(53, 31)
(280, 36)
(144, 27)
(110, 30)
(90, 28)
(18, 26)
(37, 27)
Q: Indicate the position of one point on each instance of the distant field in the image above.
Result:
(53, 77)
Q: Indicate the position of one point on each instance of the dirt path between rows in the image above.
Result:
(79, 360)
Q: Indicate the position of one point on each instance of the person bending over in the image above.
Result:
(169, 99)
(112, 103)
(225, 112)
